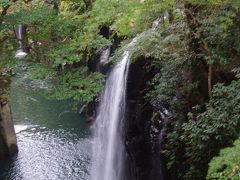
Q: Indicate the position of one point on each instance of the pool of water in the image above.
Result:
(54, 141)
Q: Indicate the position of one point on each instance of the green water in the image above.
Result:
(54, 141)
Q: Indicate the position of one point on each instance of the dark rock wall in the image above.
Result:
(144, 153)
(8, 141)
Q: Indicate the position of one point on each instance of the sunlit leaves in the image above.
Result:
(127, 17)
(65, 53)
(227, 164)
(39, 71)
(4, 3)
(80, 86)
(214, 128)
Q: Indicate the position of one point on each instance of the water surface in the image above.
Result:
(53, 140)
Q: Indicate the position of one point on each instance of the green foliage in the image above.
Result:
(38, 71)
(221, 33)
(7, 58)
(67, 37)
(74, 29)
(191, 145)
(39, 15)
(192, 141)
(126, 17)
(57, 40)
(166, 50)
(233, 3)
(4, 3)
(5, 80)
(65, 53)
(79, 85)
(206, 132)
(227, 164)
(63, 40)
(72, 9)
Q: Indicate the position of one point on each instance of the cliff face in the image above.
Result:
(8, 140)
(143, 133)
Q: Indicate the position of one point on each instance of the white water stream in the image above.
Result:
(108, 148)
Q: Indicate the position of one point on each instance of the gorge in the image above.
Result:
(119, 89)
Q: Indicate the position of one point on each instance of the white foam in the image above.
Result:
(20, 54)
(20, 127)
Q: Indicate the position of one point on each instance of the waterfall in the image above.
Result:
(105, 56)
(108, 148)
(20, 32)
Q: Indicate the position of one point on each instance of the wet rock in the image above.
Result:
(8, 141)
(145, 130)
(138, 120)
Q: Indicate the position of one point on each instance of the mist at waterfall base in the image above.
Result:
(54, 141)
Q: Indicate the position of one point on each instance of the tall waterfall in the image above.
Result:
(108, 148)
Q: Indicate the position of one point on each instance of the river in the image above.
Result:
(54, 141)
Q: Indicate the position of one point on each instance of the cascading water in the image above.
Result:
(105, 56)
(20, 32)
(108, 148)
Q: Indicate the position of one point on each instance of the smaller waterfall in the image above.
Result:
(20, 32)
(156, 23)
(105, 56)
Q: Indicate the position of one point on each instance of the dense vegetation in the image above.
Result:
(226, 166)
(195, 54)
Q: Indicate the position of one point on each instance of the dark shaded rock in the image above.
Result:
(89, 111)
(142, 135)
(105, 31)
(8, 141)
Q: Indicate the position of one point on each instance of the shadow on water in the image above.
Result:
(54, 141)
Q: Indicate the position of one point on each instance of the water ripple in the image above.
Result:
(49, 154)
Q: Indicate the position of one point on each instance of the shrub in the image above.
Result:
(227, 164)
